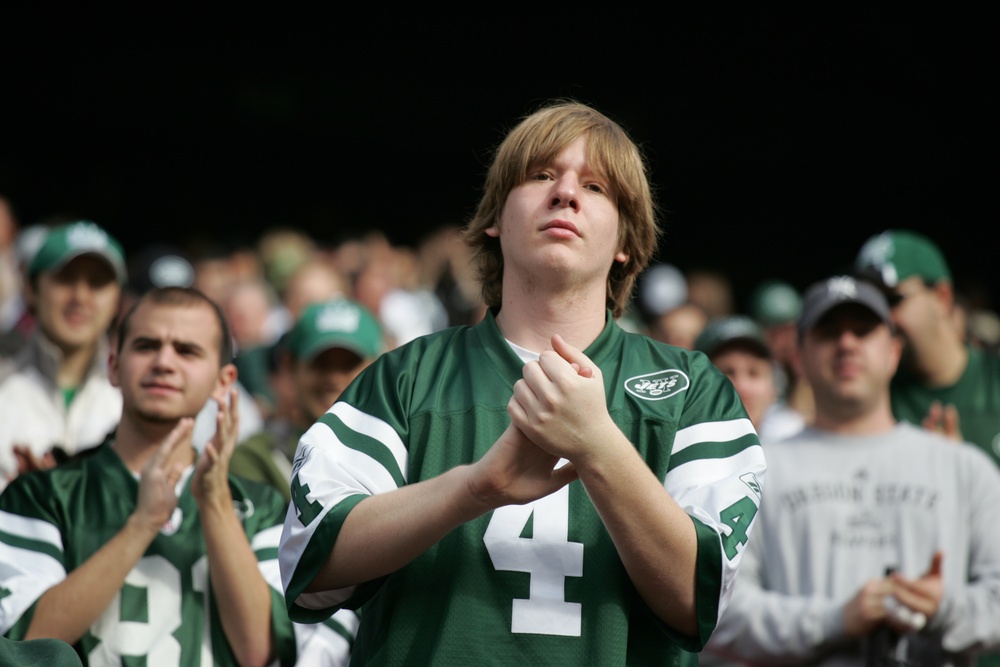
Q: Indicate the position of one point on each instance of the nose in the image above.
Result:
(163, 360)
(847, 338)
(566, 192)
(81, 289)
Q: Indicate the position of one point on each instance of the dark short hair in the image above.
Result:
(181, 297)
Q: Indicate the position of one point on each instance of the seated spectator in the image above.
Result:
(55, 397)
(737, 347)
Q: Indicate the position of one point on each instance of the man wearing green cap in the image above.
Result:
(55, 397)
(942, 382)
(329, 345)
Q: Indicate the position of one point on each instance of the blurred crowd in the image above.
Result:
(306, 317)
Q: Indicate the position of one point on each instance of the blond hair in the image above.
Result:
(535, 142)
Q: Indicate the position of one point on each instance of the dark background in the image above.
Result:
(778, 142)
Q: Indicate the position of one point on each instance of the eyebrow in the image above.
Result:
(179, 345)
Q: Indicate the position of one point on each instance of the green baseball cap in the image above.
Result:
(898, 254)
(65, 243)
(775, 302)
(338, 323)
(730, 330)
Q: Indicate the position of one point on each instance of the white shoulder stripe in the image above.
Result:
(373, 427)
(266, 539)
(712, 432)
(31, 529)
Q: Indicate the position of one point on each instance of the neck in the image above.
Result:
(853, 421)
(531, 323)
(136, 440)
(74, 364)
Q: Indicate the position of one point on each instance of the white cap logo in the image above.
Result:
(338, 318)
(878, 252)
(842, 287)
(86, 236)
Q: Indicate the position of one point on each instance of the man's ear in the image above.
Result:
(113, 367)
(493, 230)
(227, 377)
(621, 256)
(945, 293)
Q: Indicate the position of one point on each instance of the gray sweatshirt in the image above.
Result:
(837, 511)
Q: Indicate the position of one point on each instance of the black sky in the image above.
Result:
(777, 142)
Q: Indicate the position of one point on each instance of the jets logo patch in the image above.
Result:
(659, 385)
(751, 480)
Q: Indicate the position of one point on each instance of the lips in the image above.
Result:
(561, 225)
(159, 387)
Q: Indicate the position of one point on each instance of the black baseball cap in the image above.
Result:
(824, 296)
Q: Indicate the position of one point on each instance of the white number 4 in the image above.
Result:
(548, 556)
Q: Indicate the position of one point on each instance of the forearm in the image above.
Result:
(66, 610)
(241, 594)
(386, 531)
(655, 538)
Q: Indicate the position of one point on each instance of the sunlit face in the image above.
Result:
(168, 366)
(562, 221)
(753, 378)
(76, 304)
(849, 357)
(320, 381)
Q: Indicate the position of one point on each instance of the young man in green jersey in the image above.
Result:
(541, 487)
(144, 550)
(854, 496)
(943, 383)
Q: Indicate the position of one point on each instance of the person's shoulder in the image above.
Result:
(679, 356)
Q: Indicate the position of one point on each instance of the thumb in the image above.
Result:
(572, 355)
(935, 569)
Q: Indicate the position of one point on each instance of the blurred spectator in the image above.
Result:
(11, 299)
(330, 344)
(313, 281)
(55, 397)
(858, 496)
(680, 326)
(943, 382)
(710, 289)
(248, 307)
(736, 346)
(776, 306)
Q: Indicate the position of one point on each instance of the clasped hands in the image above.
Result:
(558, 410)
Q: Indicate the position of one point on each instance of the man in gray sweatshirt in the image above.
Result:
(877, 541)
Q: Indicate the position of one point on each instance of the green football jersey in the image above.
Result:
(535, 584)
(976, 395)
(165, 614)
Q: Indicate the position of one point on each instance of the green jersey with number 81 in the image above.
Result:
(164, 615)
(531, 584)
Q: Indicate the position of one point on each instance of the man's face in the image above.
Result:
(753, 378)
(561, 222)
(76, 304)
(849, 357)
(321, 381)
(916, 312)
(168, 366)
